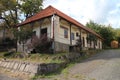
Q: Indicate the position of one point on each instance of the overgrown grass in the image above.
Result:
(44, 58)
(64, 71)
(2, 54)
(37, 58)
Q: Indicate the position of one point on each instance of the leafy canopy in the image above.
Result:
(107, 32)
(11, 10)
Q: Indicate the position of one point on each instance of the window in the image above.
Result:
(44, 31)
(65, 33)
(34, 33)
(77, 34)
(72, 36)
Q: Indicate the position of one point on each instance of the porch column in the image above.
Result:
(80, 40)
(52, 28)
(40, 24)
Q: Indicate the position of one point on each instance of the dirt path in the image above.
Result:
(102, 66)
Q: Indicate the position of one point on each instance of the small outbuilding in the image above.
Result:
(114, 44)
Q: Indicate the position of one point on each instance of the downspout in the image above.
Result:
(53, 25)
(53, 33)
(70, 49)
(80, 39)
(70, 36)
(80, 42)
(87, 40)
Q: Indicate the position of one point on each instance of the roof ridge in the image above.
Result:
(63, 13)
(72, 19)
(49, 11)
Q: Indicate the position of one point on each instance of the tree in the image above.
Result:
(29, 10)
(117, 32)
(96, 27)
(10, 10)
(92, 38)
(107, 32)
(22, 35)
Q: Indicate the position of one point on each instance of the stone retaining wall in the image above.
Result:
(61, 47)
(30, 68)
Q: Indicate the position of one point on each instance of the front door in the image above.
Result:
(44, 31)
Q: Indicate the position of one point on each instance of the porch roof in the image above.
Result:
(49, 11)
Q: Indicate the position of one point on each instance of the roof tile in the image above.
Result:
(49, 11)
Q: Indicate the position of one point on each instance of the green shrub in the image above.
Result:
(9, 54)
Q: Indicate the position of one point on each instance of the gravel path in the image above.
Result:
(102, 66)
(110, 70)
(5, 77)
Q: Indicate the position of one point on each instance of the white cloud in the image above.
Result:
(102, 11)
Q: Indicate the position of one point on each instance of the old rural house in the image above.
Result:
(64, 30)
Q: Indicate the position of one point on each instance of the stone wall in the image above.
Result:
(30, 68)
(61, 47)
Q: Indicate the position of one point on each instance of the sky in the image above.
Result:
(106, 12)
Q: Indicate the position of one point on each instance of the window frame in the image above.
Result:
(72, 36)
(65, 33)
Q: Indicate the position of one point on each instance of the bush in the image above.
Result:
(41, 45)
(9, 54)
(7, 42)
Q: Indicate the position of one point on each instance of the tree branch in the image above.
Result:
(5, 21)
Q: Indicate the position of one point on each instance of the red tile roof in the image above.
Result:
(49, 11)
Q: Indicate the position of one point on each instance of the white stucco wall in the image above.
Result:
(59, 33)
(37, 29)
(75, 29)
(84, 34)
(100, 44)
(45, 24)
